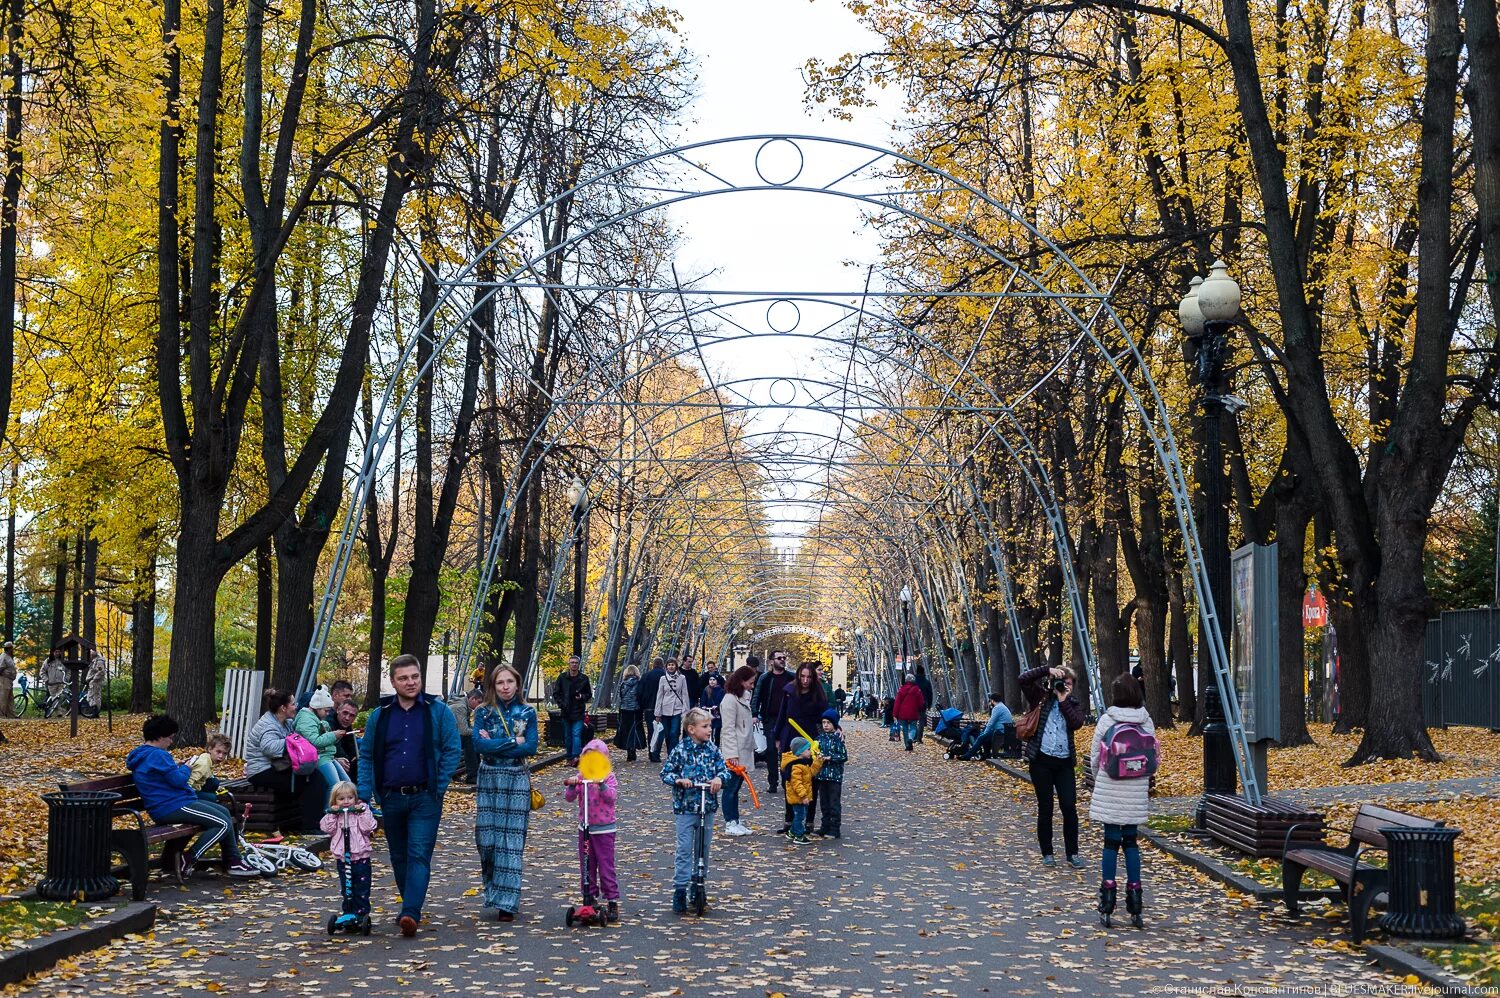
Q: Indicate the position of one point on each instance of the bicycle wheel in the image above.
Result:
(19, 704)
(304, 860)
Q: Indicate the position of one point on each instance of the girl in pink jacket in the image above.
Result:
(596, 838)
(349, 826)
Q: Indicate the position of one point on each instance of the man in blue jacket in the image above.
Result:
(1000, 719)
(410, 751)
(163, 783)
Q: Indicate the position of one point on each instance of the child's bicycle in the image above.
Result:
(348, 920)
(697, 895)
(269, 856)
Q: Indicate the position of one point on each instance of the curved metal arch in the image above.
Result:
(1162, 437)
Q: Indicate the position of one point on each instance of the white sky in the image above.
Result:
(750, 61)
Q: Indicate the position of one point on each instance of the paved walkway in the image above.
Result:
(935, 890)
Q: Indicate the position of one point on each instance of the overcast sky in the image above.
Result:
(750, 60)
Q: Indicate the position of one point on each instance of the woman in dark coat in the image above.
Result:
(1052, 758)
(804, 703)
(632, 734)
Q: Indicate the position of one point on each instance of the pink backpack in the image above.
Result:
(301, 754)
(1128, 752)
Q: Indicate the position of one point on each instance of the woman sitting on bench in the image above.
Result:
(267, 765)
(163, 784)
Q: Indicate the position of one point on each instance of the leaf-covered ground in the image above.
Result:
(38, 755)
(1466, 752)
(21, 920)
(935, 889)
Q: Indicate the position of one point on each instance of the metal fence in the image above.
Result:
(1461, 670)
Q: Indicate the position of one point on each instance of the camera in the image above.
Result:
(1059, 685)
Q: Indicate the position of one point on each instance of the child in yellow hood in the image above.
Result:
(798, 768)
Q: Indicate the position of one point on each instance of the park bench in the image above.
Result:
(134, 842)
(265, 811)
(1263, 830)
(1361, 882)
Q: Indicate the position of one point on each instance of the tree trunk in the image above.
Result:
(265, 606)
(1292, 518)
(1110, 640)
(10, 567)
(192, 666)
(75, 618)
(374, 664)
(296, 579)
(143, 640)
(90, 583)
(1180, 646)
(59, 594)
(10, 200)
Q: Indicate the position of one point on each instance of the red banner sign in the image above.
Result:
(1314, 609)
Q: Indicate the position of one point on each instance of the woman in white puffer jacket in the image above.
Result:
(1120, 805)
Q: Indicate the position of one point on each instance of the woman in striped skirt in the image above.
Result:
(505, 737)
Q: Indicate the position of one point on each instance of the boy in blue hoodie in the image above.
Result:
(163, 783)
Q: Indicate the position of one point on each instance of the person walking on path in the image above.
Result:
(1120, 805)
(802, 707)
(695, 759)
(631, 737)
(770, 692)
(712, 698)
(94, 681)
(907, 709)
(408, 754)
(737, 743)
(828, 782)
(672, 704)
(693, 677)
(1051, 756)
(8, 680)
(596, 839)
(925, 685)
(572, 694)
(650, 682)
(312, 722)
(505, 735)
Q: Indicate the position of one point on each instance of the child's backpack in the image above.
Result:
(1128, 752)
(301, 754)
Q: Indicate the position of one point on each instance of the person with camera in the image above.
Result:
(1049, 750)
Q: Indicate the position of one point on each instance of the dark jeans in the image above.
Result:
(471, 758)
(812, 809)
(573, 738)
(310, 789)
(1050, 774)
(355, 877)
(830, 796)
(671, 734)
(411, 824)
(731, 797)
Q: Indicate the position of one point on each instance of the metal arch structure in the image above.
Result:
(1082, 303)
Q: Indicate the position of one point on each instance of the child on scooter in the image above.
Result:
(696, 759)
(345, 811)
(598, 836)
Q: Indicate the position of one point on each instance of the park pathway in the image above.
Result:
(936, 889)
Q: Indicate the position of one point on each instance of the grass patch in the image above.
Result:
(21, 920)
(1475, 963)
(1170, 823)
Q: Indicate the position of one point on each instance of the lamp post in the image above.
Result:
(703, 640)
(579, 497)
(1207, 312)
(905, 620)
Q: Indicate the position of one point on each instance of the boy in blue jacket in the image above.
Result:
(163, 783)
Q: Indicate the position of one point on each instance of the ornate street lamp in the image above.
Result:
(1207, 313)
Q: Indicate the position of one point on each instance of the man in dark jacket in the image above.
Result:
(649, 682)
(694, 679)
(925, 685)
(572, 694)
(406, 758)
(770, 694)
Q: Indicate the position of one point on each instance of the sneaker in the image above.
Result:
(243, 869)
(613, 915)
(1049, 860)
(738, 829)
(1075, 861)
(789, 836)
(185, 866)
(409, 925)
(801, 840)
(679, 900)
(505, 916)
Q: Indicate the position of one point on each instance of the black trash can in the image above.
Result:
(1421, 904)
(78, 866)
(553, 730)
